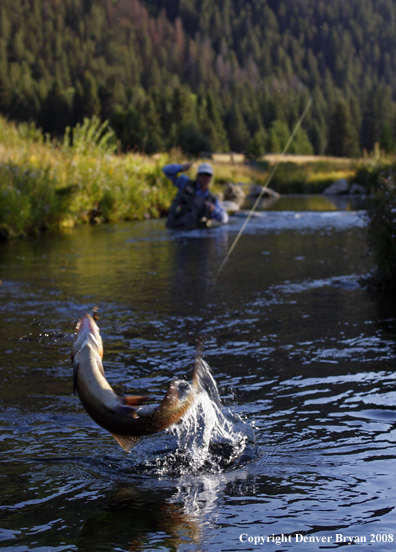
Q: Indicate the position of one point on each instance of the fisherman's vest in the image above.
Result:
(188, 209)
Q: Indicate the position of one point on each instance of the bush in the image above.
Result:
(29, 201)
(369, 175)
(45, 185)
(382, 231)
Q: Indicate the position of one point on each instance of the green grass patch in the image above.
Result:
(46, 185)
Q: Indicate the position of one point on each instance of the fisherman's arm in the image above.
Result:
(172, 172)
(218, 213)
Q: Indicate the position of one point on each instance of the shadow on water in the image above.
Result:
(303, 440)
(152, 514)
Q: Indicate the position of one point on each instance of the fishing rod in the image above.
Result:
(265, 187)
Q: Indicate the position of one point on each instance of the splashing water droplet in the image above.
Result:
(210, 437)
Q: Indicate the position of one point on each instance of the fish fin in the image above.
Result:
(199, 367)
(126, 442)
(200, 346)
(128, 405)
(134, 400)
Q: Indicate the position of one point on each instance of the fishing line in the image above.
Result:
(265, 187)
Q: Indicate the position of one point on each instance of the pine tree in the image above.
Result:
(278, 136)
(238, 133)
(212, 124)
(55, 111)
(205, 60)
(387, 139)
(86, 102)
(378, 109)
(5, 91)
(191, 140)
(129, 128)
(152, 139)
(301, 144)
(24, 104)
(343, 138)
(257, 145)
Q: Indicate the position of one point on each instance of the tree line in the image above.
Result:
(203, 75)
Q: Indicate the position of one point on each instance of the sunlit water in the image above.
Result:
(293, 449)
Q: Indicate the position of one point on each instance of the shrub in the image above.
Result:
(382, 231)
(92, 136)
(29, 201)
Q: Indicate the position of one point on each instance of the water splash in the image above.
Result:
(209, 439)
(210, 435)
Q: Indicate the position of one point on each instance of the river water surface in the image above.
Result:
(301, 452)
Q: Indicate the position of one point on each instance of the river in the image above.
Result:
(301, 452)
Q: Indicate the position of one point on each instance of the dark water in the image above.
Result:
(303, 447)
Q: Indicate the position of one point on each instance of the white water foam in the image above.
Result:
(211, 437)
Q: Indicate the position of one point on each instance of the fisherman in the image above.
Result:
(194, 206)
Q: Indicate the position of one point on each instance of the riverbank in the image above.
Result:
(381, 234)
(46, 186)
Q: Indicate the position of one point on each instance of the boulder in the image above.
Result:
(234, 192)
(358, 189)
(340, 187)
(255, 190)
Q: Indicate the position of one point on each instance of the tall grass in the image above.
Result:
(46, 185)
(29, 200)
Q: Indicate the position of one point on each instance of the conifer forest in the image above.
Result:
(205, 75)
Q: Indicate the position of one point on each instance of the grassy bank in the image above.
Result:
(48, 186)
(297, 174)
(312, 175)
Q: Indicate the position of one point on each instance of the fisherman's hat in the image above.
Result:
(205, 168)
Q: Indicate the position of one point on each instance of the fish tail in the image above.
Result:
(126, 442)
(199, 369)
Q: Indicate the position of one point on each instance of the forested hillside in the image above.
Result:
(209, 75)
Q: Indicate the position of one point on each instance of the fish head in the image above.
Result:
(88, 334)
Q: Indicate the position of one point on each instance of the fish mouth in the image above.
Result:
(87, 334)
(85, 325)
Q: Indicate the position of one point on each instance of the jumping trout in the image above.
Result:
(120, 415)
